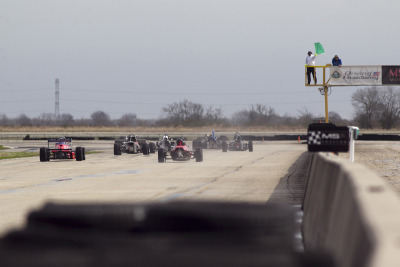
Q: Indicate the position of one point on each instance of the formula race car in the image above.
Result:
(133, 145)
(209, 141)
(165, 143)
(62, 149)
(178, 151)
(238, 144)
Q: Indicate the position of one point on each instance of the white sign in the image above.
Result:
(355, 75)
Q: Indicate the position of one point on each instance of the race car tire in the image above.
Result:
(250, 146)
(47, 154)
(198, 154)
(83, 154)
(78, 153)
(161, 155)
(145, 149)
(152, 148)
(117, 149)
(43, 154)
(224, 146)
(196, 143)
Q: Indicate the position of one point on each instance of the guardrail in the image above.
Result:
(350, 212)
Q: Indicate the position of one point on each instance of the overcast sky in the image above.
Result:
(131, 56)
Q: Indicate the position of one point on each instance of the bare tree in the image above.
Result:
(23, 120)
(100, 118)
(65, 120)
(306, 117)
(184, 113)
(262, 115)
(213, 116)
(4, 120)
(288, 120)
(240, 117)
(390, 107)
(45, 119)
(258, 114)
(367, 106)
(83, 122)
(128, 120)
(335, 118)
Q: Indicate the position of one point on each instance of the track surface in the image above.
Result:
(275, 171)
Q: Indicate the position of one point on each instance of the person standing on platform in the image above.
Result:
(310, 63)
(336, 61)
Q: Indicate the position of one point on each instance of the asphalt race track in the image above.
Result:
(274, 172)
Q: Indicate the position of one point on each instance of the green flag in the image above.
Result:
(319, 49)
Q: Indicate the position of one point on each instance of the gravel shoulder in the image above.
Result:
(381, 157)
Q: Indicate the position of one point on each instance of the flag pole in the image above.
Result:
(319, 49)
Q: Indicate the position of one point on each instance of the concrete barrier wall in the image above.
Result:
(351, 213)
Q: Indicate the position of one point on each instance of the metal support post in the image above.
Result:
(354, 131)
(326, 104)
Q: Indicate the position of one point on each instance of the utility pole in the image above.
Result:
(57, 99)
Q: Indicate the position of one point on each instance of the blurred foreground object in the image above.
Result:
(157, 234)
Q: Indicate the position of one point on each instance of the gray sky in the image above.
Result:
(131, 56)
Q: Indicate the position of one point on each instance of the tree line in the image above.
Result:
(373, 108)
(184, 113)
(377, 107)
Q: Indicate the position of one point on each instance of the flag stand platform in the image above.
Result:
(354, 75)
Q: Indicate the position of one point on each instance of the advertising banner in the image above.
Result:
(355, 75)
(391, 75)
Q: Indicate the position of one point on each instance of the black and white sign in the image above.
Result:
(328, 137)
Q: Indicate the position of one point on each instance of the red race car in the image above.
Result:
(179, 151)
(62, 149)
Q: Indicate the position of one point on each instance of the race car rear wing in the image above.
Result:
(64, 139)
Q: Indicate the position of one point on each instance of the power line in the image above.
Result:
(222, 104)
(25, 101)
(163, 92)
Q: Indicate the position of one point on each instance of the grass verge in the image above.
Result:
(93, 152)
(13, 155)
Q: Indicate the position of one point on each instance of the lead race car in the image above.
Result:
(62, 149)
(177, 151)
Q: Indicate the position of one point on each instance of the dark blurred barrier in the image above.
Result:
(364, 137)
(282, 137)
(108, 138)
(28, 137)
(379, 137)
(169, 234)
